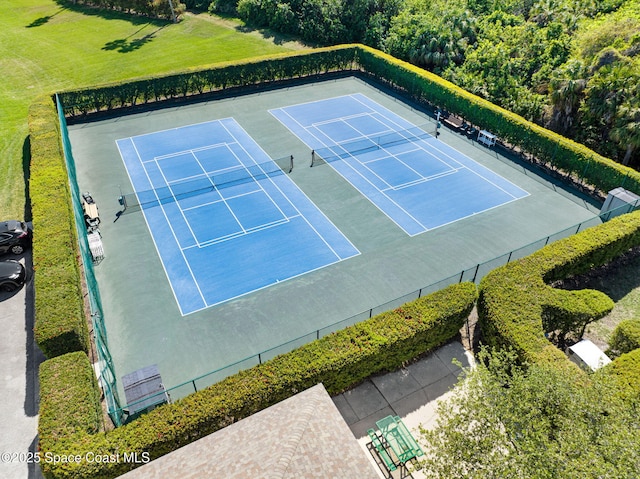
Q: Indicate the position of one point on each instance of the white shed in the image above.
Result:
(587, 355)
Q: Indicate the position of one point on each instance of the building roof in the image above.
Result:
(303, 436)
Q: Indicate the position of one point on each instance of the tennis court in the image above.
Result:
(418, 181)
(225, 219)
(180, 222)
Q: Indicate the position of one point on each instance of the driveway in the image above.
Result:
(19, 395)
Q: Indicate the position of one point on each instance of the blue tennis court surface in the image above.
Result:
(418, 181)
(225, 219)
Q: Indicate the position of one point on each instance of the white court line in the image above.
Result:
(421, 177)
(184, 152)
(205, 174)
(232, 236)
(175, 296)
(175, 200)
(317, 210)
(447, 155)
(343, 118)
(422, 180)
(434, 147)
(220, 200)
(322, 238)
(366, 180)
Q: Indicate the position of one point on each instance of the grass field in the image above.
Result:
(45, 47)
(621, 282)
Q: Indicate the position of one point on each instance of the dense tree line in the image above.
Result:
(164, 9)
(570, 65)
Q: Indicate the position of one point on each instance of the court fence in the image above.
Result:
(473, 274)
(120, 414)
(106, 370)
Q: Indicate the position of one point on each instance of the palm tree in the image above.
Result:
(567, 92)
(627, 130)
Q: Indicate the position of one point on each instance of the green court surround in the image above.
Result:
(144, 325)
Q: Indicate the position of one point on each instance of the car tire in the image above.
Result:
(8, 287)
(17, 249)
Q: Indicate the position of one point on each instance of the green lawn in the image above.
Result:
(45, 47)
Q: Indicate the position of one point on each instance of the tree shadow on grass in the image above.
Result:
(126, 45)
(276, 37)
(616, 279)
(38, 22)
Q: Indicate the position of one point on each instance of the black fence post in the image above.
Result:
(475, 275)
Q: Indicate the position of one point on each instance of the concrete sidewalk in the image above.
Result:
(411, 392)
(20, 359)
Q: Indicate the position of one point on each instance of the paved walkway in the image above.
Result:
(410, 392)
(19, 393)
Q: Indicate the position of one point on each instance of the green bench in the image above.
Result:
(382, 451)
(416, 450)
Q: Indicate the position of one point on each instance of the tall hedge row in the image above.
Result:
(556, 151)
(72, 404)
(559, 152)
(60, 323)
(223, 76)
(339, 360)
(516, 305)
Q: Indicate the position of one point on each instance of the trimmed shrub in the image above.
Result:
(69, 398)
(626, 371)
(516, 306)
(571, 158)
(625, 338)
(60, 325)
(338, 360)
(223, 76)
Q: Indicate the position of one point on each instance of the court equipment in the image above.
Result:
(206, 183)
(366, 144)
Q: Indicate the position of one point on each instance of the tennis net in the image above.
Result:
(180, 190)
(371, 143)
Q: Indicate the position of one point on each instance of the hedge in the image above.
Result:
(60, 324)
(339, 360)
(558, 152)
(516, 305)
(197, 81)
(625, 338)
(71, 405)
(572, 158)
(626, 371)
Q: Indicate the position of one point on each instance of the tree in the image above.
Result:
(567, 91)
(626, 132)
(540, 421)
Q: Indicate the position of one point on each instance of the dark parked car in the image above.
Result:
(12, 275)
(15, 237)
